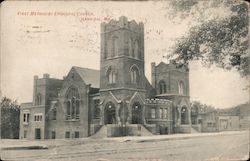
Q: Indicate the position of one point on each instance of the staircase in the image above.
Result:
(145, 132)
(195, 129)
(101, 133)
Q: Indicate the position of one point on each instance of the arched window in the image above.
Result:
(162, 87)
(111, 76)
(38, 99)
(134, 75)
(181, 87)
(136, 50)
(72, 104)
(114, 51)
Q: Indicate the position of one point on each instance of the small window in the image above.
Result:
(67, 134)
(76, 134)
(153, 110)
(26, 117)
(53, 135)
(38, 117)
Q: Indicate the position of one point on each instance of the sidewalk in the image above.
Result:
(172, 136)
(9, 144)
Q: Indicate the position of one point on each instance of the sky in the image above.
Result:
(52, 36)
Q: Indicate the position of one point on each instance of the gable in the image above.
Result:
(88, 76)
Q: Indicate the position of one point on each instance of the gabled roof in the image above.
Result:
(89, 76)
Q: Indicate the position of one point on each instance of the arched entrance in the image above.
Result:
(184, 115)
(136, 113)
(109, 114)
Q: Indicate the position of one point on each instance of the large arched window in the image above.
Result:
(114, 51)
(181, 87)
(72, 104)
(134, 75)
(162, 87)
(38, 99)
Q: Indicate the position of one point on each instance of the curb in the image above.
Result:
(26, 147)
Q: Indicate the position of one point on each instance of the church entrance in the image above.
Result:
(109, 114)
(184, 115)
(136, 113)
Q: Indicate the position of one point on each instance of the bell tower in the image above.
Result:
(122, 65)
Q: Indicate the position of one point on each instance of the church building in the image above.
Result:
(116, 100)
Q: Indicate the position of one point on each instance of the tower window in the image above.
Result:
(181, 87)
(134, 75)
(38, 99)
(162, 87)
(114, 51)
(130, 47)
(111, 77)
(136, 50)
(72, 104)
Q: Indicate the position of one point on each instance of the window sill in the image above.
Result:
(72, 120)
(111, 84)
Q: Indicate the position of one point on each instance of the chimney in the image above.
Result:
(45, 75)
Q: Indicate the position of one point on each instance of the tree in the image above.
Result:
(198, 107)
(223, 41)
(10, 112)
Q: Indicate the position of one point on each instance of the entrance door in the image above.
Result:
(184, 115)
(37, 133)
(136, 114)
(110, 114)
(163, 129)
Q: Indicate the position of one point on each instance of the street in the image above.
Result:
(220, 146)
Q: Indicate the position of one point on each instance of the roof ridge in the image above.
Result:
(84, 68)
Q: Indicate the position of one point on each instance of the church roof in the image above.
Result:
(89, 76)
